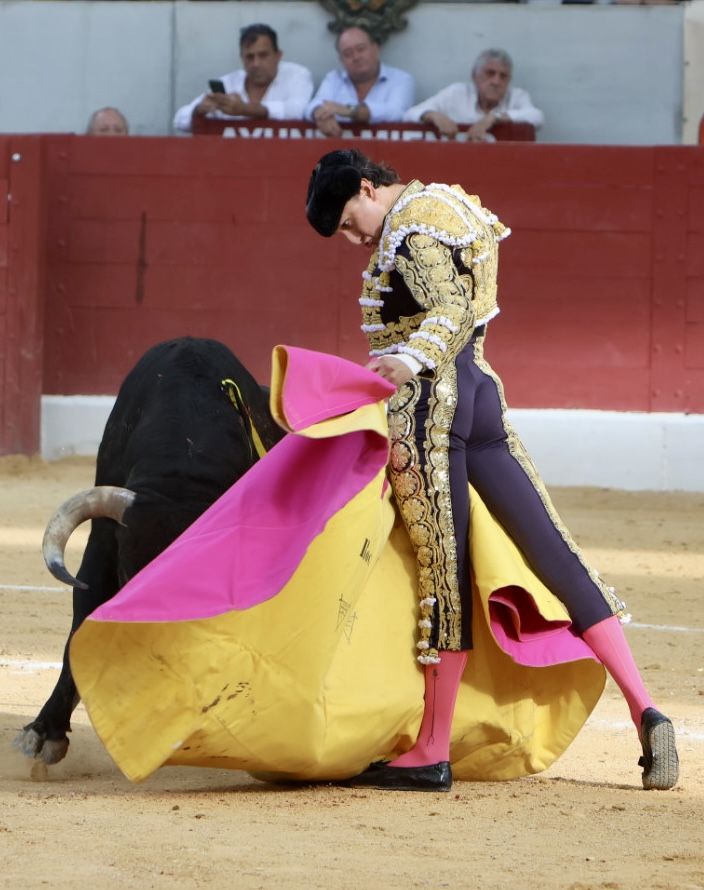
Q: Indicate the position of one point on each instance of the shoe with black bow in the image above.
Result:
(435, 777)
(659, 761)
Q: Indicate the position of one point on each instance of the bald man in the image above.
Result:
(363, 90)
(107, 122)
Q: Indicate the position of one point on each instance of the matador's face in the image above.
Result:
(362, 217)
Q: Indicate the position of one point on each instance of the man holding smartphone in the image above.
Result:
(265, 87)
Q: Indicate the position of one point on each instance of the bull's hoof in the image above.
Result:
(36, 745)
(54, 750)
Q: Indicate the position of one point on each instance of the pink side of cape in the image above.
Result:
(527, 637)
(318, 386)
(245, 547)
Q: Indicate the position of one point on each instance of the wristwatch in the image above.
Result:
(352, 111)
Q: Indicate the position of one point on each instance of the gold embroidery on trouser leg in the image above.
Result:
(409, 489)
(518, 452)
(442, 403)
(425, 505)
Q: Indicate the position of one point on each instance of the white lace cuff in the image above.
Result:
(409, 360)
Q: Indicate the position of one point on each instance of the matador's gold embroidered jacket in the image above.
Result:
(432, 279)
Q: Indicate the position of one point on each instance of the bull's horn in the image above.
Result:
(103, 501)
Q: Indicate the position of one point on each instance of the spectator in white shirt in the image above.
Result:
(364, 90)
(488, 99)
(265, 87)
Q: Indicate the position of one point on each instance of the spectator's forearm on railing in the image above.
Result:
(441, 122)
(521, 110)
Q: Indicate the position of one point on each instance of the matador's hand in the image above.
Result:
(391, 369)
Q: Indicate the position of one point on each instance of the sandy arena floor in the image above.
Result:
(585, 823)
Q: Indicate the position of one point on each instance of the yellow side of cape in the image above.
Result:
(322, 679)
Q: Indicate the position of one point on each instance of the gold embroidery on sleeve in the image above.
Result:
(436, 284)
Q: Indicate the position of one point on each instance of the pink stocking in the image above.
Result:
(608, 642)
(442, 682)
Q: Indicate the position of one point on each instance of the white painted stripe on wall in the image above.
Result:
(73, 425)
(657, 451)
(608, 449)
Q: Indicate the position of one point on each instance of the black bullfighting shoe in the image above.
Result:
(435, 777)
(659, 761)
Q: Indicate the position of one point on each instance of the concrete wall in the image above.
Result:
(603, 74)
(594, 448)
(61, 61)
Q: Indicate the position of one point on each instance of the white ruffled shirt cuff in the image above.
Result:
(409, 360)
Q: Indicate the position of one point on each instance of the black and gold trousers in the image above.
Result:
(451, 429)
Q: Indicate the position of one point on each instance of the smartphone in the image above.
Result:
(216, 86)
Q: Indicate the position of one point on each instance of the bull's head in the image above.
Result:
(104, 501)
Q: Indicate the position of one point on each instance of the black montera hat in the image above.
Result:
(333, 182)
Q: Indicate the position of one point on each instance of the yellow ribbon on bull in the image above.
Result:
(234, 394)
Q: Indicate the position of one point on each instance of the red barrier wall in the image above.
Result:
(600, 285)
(21, 292)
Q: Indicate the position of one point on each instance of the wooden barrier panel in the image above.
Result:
(21, 292)
(5, 403)
(600, 284)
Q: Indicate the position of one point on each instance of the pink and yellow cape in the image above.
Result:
(277, 634)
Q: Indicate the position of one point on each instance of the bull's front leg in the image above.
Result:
(45, 738)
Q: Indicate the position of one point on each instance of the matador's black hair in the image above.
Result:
(336, 178)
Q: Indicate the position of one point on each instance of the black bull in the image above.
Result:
(176, 441)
